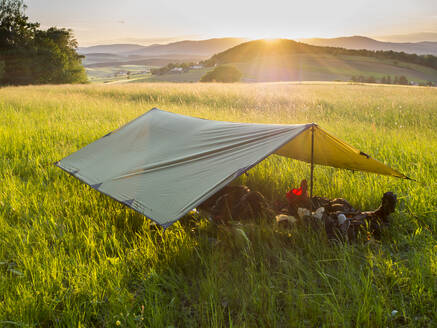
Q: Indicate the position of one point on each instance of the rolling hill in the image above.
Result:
(185, 50)
(409, 37)
(117, 49)
(204, 48)
(278, 60)
(288, 60)
(361, 42)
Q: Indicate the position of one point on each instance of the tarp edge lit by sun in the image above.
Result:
(331, 151)
(163, 164)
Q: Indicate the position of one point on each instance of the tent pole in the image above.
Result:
(312, 164)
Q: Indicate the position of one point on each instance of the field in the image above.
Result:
(193, 75)
(317, 67)
(118, 74)
(72, 257)
(114, 73)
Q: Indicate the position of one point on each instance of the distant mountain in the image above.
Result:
(108, 59)
(196, 49)
(199, 48)
(109, 49)
(361, 42)
(288, 60)
(411, 37)
(152, 61)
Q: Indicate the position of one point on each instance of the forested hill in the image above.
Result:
(253, 50)
(362, 42)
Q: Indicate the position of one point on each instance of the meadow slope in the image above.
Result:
(71, 257)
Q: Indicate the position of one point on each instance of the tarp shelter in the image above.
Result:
(163, 164)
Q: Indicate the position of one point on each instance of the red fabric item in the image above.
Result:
(297, 192)
(293, 193)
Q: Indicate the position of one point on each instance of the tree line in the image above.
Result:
(29, 55)
(167, 68)
(401, 80)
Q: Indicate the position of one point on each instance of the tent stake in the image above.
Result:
(312, 164)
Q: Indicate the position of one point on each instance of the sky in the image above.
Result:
(163, 21)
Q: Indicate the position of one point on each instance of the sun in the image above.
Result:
(271, 40)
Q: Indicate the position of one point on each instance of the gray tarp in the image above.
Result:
(164, 164)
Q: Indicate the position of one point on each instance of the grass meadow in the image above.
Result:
(311, 67)
(72, 257)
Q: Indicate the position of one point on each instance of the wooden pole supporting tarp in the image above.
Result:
(312, 162)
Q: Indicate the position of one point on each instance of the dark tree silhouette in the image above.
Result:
(222, 74)
(29, 55)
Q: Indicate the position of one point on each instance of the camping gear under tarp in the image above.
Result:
(163, 164)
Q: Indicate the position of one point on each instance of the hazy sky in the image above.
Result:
(162, 21)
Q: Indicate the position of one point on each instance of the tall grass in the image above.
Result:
(71, 257)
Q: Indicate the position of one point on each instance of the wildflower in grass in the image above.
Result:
(118, 323)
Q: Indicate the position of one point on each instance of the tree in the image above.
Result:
(403, 80)
(163, 70)
(2, 68)
(371, 79)
(34, 56)
(222, 74)
(16, 35)
(15, 30)
(388, 79)
(56, 59)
